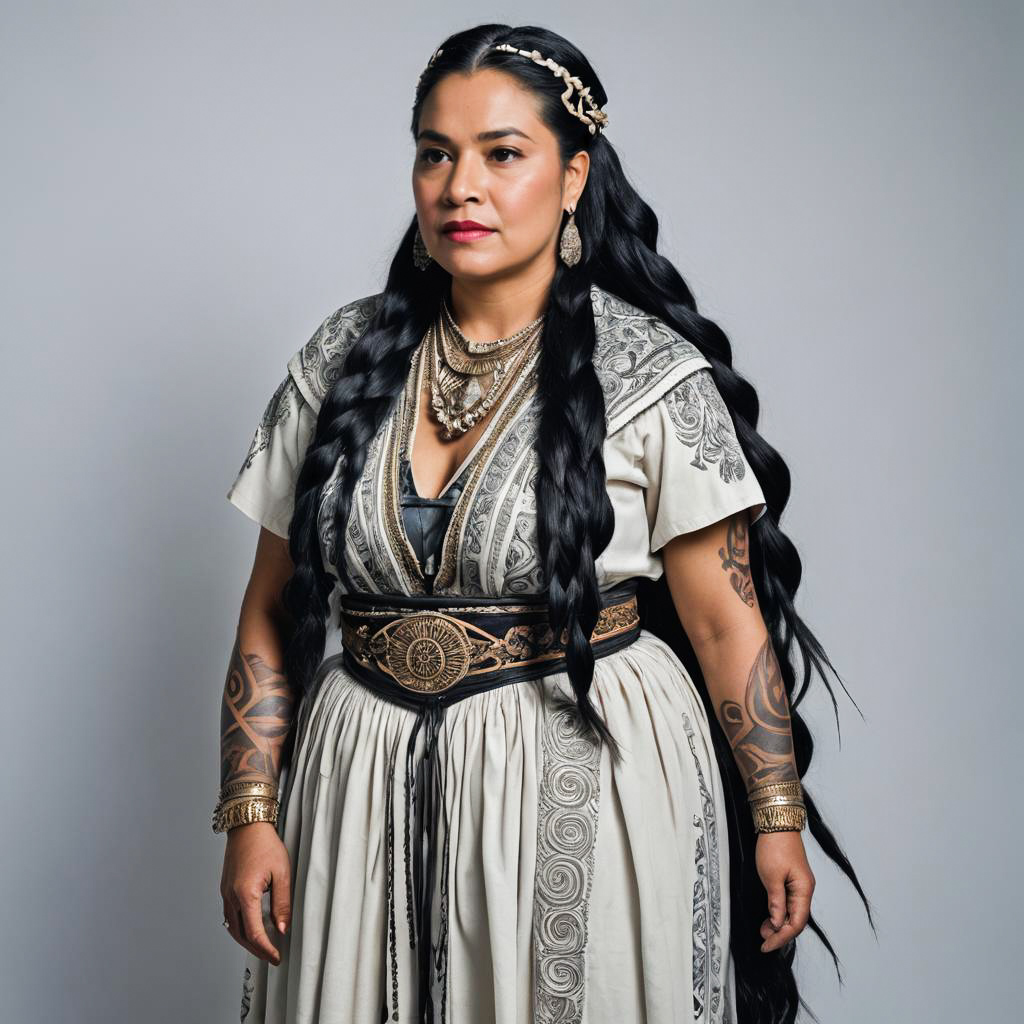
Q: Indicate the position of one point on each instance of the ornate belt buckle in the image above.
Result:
(426, 652)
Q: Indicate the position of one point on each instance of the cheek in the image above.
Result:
(425, 192)
(528, 208)
(420, 196)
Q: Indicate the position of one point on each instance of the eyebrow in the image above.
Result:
(494, 133)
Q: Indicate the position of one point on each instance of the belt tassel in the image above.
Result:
(424, 801)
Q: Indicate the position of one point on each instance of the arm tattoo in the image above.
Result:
(736, 560)
(255, 718)
(759, 730)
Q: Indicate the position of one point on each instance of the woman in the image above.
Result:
(552, 774)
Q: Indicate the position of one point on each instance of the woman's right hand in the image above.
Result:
(256, 859)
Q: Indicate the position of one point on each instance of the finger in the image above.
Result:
(799, 902)
(280, 901)
(776, 904)
(233, 916)
(799, 911)
(252, 920)
(779, 938)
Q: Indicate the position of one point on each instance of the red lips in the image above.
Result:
(464, 225)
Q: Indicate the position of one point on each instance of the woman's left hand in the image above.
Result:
(782, 865)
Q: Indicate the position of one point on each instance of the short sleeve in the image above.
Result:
(694, 468)
(264, 488)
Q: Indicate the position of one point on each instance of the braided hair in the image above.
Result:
(574, 513)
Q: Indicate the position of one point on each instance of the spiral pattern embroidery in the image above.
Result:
(707, 903)
(247, 987)
(566, 839)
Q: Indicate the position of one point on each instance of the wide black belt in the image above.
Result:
(416, 648)
(427, 652)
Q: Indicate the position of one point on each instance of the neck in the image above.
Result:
(489, 310)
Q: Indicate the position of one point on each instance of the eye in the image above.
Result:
(425, 154)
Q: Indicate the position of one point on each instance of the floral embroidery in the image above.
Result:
(318, 364)
(278, 409)
(701, 421)
(637, 356)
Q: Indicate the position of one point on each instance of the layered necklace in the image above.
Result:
(468, 377)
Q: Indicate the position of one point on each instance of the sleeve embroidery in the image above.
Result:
(278, 410)
(694, 467)
(264, 487)
(701, 421)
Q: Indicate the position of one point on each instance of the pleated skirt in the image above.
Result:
(579, 890)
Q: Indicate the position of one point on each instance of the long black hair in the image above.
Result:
(574, 513)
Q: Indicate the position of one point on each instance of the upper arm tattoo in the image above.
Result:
(736, 557)
(256, 715)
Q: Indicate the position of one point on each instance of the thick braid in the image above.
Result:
(369, 383)
(575, 519)
(628, 224)
(377, 365)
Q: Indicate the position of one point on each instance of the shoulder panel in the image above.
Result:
(637, 356)
(317, 365)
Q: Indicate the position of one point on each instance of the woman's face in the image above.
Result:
(484, 155)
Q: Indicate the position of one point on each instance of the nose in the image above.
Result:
(464, 183)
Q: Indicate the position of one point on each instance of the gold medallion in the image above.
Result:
(426, 652)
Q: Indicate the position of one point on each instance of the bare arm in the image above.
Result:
(256, 716)
(256, 711)
(708, 575)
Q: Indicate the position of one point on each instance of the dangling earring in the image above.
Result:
(570, 246)
(420, 257)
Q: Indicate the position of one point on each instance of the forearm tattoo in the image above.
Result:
(255, 717)
(736, 558)
(759, 729)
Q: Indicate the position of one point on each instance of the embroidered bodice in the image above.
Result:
(672, 462)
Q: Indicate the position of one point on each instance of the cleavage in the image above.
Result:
(434, 451)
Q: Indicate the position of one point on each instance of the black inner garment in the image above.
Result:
(426, 519)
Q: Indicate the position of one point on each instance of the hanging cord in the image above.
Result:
(441, 964)
(392, 951)
(424, 798)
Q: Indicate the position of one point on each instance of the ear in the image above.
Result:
(575, 178)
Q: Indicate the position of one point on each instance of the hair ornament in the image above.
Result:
(430, 63)
(596, 118)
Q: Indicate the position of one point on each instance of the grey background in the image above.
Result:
(189, 188)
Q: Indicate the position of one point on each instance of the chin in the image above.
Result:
(475, 268)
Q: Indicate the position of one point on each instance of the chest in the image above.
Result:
(488, 545)
(433, 462)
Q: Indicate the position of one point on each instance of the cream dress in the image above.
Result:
(579, 891)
